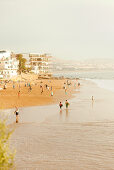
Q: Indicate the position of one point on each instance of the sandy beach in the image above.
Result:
(81, 137)
(57, 85)
(11, 97)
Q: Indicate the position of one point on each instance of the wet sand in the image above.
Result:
(81, 137)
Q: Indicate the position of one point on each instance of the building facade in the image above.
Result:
(40, 64)
(8, 64)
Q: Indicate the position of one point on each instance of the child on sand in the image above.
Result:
(67, 104)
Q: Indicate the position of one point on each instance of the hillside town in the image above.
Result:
(39, 64)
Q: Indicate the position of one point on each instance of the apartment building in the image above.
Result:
(40, 64)
(8, 64)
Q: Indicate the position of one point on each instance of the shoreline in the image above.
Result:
(44, 131)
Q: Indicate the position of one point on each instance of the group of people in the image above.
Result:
(66, 104)
(16, 112)
(47, 87)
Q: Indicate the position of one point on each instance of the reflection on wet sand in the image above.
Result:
(60, 113)
(67, 114)
(80, 137)
(64, 114)
(92, 103)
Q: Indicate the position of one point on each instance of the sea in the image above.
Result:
(103, 78)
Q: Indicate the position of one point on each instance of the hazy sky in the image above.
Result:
(64, 28)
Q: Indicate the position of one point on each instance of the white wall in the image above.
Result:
(5, 54)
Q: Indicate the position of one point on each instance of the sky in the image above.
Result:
(67, 29)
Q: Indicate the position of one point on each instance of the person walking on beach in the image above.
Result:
(5, 87)
(17, 114)
(30, 88)
(19, 94)
(51, 93)
(60, 105)
(65, 90)
(78, 84)
(67, 104)
(48, 88)
(42, 90)
(13, 86)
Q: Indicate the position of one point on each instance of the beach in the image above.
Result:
(18, 93)
(81, 137)
(57, 85)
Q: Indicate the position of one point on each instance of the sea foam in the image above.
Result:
(106, 84)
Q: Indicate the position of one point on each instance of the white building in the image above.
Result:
(8, 64)
(40, 64)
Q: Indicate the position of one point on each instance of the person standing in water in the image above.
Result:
(67, 104)
(17, 114)
(92, 98)
(60, 105)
